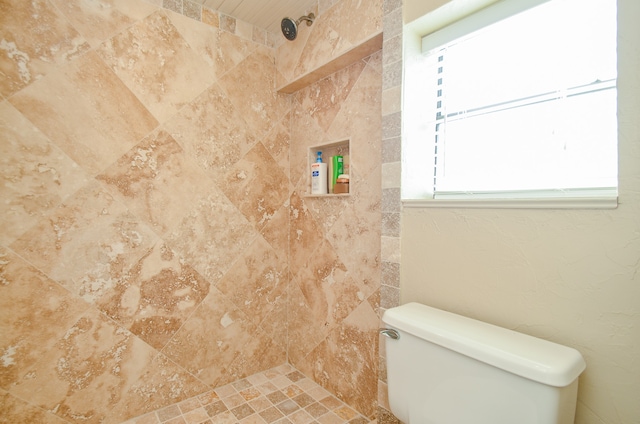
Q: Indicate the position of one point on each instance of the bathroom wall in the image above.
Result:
(145, 206)
(335, 242)
(570, 276)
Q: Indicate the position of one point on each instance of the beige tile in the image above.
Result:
(233, 401)
(210, 17)
(156, 297)
(278, 143)
(92, 359)
(219, 344)
(304, 234)
(212, 236)
(35, 312)
(209, 397)
(304, 333)
(324, 100)
(331, 37)
(360, 117)
(35, 39)
(300, 417)
(157, 181)
(329, 290)
(352, 342)
(99, 20)
(196, 416)
(162, 383)
(251, 90)
(151, 418)
(219, 49)
(262, 409)
(37, 176)
(86, 111)
(157, 64)
(224, 418)
(273, 232)
(87, 244)
(257, 186)
(263, 406)
(16, 411)
(213, 132)
(330, 418)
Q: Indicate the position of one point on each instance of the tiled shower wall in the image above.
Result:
(145, 212)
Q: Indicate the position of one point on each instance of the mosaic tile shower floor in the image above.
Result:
(281, 395)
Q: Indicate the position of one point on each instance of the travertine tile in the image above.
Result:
(323, 100)
(278, 143)
(331, 34)
(210, 17)
(35, 39)
(256, 186)
(328, 288)
(156, 179)
(305, 132)
(335, 293)
(86, 111)
(71, 377)
(162, 382)
(155, 298)
(99, 20)
(213, 291)
(304, 333)
(251, 89)
(157, 64)
(35, 312)
(87, 243)
(256, 283)
(213, 132)
(219, 49)
(37, 176)
(273, 231)
(220, 344)
(16, 411)
(212, 235)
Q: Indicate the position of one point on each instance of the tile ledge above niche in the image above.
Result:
(364, 49)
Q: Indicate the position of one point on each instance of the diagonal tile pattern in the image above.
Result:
(156, 241)
(281, 395)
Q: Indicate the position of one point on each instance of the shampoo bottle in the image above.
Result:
(319, 176)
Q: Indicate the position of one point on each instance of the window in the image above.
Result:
(516, 101)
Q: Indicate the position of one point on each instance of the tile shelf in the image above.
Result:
(341, 147)
(362, 50)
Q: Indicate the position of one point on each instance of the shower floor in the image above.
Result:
(281, 395)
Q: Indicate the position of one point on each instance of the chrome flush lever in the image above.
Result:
(391, 333)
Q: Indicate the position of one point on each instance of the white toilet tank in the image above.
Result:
(448, 369)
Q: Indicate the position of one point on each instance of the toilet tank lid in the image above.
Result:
(527, 356)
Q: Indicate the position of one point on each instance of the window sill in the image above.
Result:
(550, 203)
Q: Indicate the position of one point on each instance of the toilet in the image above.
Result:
(444, 368)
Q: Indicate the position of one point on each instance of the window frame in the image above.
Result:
(478, 12)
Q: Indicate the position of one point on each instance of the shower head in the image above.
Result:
(290, 27)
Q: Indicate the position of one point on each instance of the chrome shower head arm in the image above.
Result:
(309, 18)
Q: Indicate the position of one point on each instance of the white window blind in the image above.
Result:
(519, 101)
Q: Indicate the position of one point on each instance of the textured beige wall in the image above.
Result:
(571, 276)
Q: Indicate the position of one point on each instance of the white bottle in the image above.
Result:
(319, 176)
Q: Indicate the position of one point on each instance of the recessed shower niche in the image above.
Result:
(340, 148)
